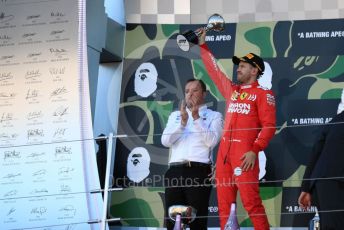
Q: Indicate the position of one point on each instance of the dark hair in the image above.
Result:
(204, 87)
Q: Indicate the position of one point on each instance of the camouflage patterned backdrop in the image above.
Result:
(307, 62)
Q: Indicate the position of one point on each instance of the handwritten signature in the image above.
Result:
(68, 210)
(5, 37)
(40, 172)
(27, 35)
(36, 155)
(63, 150)
(11, 193)
(60, 111)
(6, 117)
(30, 17)
(6, 76)
(37, 191)
(12, 210)
(8, 136)
(7, 57)
(12, 175)
(57, 71)
(31, 93)
(70, 227)
(5, 18)
(35, 133)
(34, 115)
(33, 55)
(11, 155)
(65, 170)
(59, 91)
(32, 74)
(7, 95)
(65, 188)
(58, 52)
(60, 132)
(39, 211)
(55, 32)
(57, 14)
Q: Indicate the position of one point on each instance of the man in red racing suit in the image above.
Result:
(250, 123)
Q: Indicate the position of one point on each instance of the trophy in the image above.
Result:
(188, 38)
(182, 215)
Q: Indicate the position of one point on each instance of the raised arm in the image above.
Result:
(220, 79)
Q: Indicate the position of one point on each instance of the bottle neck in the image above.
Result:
(233, 206)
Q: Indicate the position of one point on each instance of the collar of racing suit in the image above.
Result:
(247, 86)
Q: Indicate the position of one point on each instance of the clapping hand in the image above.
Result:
(183, 113)
(193, 105)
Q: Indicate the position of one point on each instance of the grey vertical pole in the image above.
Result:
(107, 181)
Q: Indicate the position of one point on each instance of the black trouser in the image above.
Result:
(330, 196)
(188, 186)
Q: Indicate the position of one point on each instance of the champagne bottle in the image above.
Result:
(178, 224)
(314, 224)
(232, 222)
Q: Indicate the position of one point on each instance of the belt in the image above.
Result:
(189, 164)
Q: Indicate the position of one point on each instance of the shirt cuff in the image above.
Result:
(256, 148)
(204, 45)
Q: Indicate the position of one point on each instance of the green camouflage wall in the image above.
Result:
(306, 58)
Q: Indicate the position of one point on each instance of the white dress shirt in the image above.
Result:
(195, 141)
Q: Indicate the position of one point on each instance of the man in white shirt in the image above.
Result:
(191, 134)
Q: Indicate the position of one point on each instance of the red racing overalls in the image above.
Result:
(250, 121)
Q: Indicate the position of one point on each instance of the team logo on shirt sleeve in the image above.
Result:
(270, 99)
